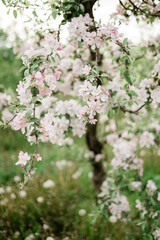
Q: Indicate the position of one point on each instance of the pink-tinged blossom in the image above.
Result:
(119, 206)
(156, 234)
(79, 31)
(86, 70)
(19, 122)
(23, 158)
(38, 75)
(155, 95)
(95, 98)
(136, 185)
(151, 187)
(38, 157)
(146, 139)
(157, 69)
(24, 94)
(141, 208)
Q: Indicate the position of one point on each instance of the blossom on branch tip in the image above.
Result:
(23, 158)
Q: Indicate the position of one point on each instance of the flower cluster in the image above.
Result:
(116, 203)
(95, 96)
(82, 29)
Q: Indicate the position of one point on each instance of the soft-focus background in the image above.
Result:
(59, 198)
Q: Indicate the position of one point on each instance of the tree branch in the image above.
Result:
(131, 111)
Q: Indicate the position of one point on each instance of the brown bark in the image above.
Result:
(88, 7)
(92, 140)
(95, 146)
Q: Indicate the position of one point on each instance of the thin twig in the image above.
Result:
(10, 120)
(131, 111)
(141, 10)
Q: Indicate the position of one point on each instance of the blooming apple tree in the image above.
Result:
(98, 71)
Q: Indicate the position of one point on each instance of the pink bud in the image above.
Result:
(83, 113)
(59, 69)
(106, 93)
(102, 101)
(117, 40)
(91, 117)
(22, 166)
(56, 76)
(59, 48)
(102, 89)
(33, 75)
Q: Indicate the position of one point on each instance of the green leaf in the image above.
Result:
(94, 84)
(34, 91)
(26, 72)
(38, 103)
(4, 2)
(82, 8)
(125, 41)
(22, 68)
(34, 13)
(124, 57)
(69, 6)
(110, 114)
(15, 13)
(104, 75)
(21, 106)
(53, 59)
(79, 44)
(34, 120)
(26, 180)
(1, 123)
(90, 77)
(132, 93)
(46, 85)
(54, 14)
(58, 55)
(34, 99)
(76, 7)
(29, 112)
(127, 77)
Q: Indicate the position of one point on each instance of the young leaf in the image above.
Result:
(34, 13)
(82, 7)
(21, 106)
(22, 68)
(54, 14)
(79, 44)
(15, 13)
(110, 114)
(4, 2)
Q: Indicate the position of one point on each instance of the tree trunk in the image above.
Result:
(93, 143)
(95, 146)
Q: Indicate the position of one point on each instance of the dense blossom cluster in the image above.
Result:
(95, 98)
(80, 30)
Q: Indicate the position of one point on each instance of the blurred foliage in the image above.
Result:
(10, 65)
